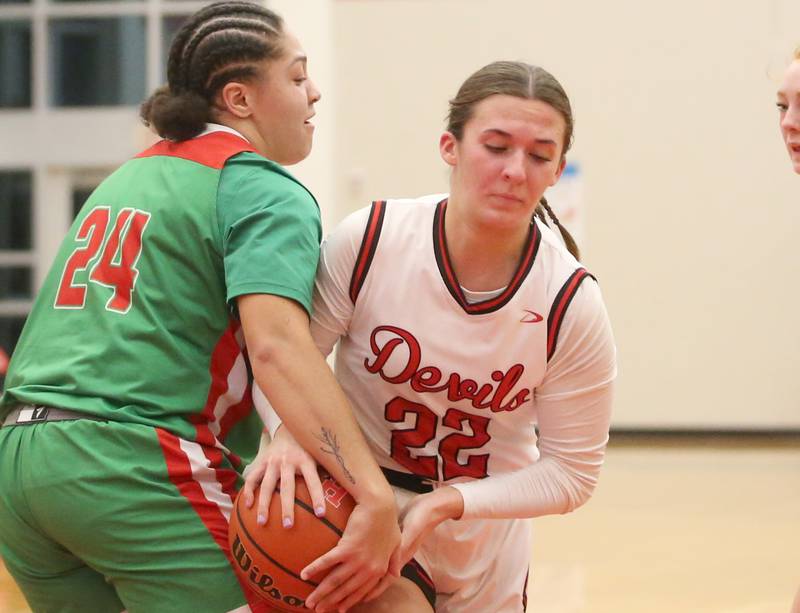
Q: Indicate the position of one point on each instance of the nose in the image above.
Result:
(514, 169)
(314, 94)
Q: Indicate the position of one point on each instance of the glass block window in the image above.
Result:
(15, 210)
(79, 196)
(16, 283)
(97, 62)
(15, 63)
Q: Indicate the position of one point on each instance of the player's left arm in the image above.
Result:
(573, 407)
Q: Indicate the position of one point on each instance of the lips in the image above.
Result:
(509, 197)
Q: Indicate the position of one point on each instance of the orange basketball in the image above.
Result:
(269, 558)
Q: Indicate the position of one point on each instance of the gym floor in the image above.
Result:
(678, 524)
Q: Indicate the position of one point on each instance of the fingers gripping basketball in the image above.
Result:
(269, 558)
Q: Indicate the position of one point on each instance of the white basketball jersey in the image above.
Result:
(443, 388)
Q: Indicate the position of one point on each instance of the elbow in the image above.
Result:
(579, 496)
(577, 489)
(268, 353)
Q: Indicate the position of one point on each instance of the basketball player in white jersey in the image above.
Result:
(789, 110)
(476, 352)
(789, 113)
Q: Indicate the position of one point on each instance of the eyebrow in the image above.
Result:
(542, 141)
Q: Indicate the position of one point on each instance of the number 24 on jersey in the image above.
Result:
(119, 243)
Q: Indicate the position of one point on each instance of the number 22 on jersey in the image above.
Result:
(119, 250)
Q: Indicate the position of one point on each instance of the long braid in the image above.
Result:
(572, 246)
(220, 43)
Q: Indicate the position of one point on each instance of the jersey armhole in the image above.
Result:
(369, 244)
(559, 308)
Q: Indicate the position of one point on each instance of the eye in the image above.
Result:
(495, 148)
(540, 158)
(782, 106)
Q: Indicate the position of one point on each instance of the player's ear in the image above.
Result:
(561, 166)
(236, 98)
(448, 148)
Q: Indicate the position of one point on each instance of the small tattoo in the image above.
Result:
(331, 446)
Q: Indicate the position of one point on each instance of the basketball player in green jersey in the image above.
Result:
(188, 272)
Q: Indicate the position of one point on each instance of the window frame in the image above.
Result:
(41, 11)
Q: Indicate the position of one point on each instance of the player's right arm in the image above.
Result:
(269, 231)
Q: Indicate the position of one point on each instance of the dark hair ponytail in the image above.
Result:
(218, 44)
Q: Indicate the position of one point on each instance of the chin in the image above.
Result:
(504, 221)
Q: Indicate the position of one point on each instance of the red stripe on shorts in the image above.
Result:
(214, 516)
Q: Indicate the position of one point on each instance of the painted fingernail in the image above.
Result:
(261, 520)
(319, 511)
(287, 522)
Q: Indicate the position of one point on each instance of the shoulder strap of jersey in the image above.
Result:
(212, 149)
(559, 307)
(369, 243)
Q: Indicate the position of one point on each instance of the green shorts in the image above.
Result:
(105, 516)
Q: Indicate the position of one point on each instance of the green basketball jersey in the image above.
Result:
(133, 322)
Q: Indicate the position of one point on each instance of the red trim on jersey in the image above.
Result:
(180, 472)
(449, 276)
(213, 149)
(236, 413)
(368, 246)
(223, 358)
(223, 361)
(559, 307)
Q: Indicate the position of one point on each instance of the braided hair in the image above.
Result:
(221, 42)
(522, 81)
(569, 241)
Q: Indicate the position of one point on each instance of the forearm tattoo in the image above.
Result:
(331, 445)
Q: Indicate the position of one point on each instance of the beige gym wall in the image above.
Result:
(692, 210)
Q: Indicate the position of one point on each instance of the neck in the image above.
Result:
(244, 127)
(484, 259)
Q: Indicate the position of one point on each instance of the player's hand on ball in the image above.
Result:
(280, 461)
(359, 562)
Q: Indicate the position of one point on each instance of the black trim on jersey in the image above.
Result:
(528, 257)
(414, 572)
(559, 307)
(369, 243)
(525, 591)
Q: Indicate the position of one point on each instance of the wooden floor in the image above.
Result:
(685, 527)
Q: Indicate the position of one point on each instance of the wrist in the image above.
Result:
(378, 497)
(448, 503)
